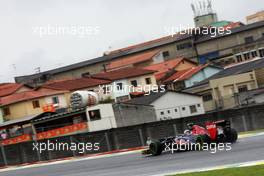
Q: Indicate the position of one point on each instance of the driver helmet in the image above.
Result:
(190, 126)
(188, 132)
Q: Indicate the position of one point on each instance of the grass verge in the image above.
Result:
(241, 171)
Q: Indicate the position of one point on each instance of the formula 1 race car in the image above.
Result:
(195, 135)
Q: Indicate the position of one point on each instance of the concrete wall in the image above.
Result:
(127, 115)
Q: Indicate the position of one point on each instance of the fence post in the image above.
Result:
(141, 137)
(73, 152)
(116, 141)
(3, 154)
(109, 148)
(244, 123)
(175, 129)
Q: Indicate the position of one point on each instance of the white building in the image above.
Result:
(172, 105)
(126, 81)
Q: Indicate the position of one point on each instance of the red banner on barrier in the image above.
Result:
(62, 131)
(18, 139)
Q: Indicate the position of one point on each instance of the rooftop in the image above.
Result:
(185, 74)
(9, 88)
(27, 95)
(148, 99)
(163, 67)
(235, 70)
(134, 59)
(75, 84)
(122, 73)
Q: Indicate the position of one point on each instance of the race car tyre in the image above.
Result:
(231, 136)
(200, 141)
(155, 148)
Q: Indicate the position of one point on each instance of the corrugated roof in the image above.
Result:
(9, 88)
(132, 60)
(234, 70)
(28, 95)
(166, 66)
(122, 73)
(148, 99)
(184, 74)
(75, 84)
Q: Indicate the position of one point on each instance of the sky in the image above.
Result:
(45, 34)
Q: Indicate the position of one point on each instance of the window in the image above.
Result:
(94, 115)
(161, 113)
(198, 105)
(183, 108)
(106, 89)
(239, 58)
(184, 46)
(168, 111)
(193, 109)
(165, 54)
(134, 83)
(242, 88)
(122, 98)
(254, 54)
(35, 104)
(246, 56)
(148, 80)
(55, 100)
(261, 52)
(207, 97)
(176, 110)
(119, 86)
(249, 39)
(6, 111)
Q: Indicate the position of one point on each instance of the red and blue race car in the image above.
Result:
(194, 137)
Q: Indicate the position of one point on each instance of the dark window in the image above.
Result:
(55, 100)
(249, 39)
(193, 109)
(184, 46)
(261, 52)
(161, 113)
(165, 54)
(134, 83)
(119, 86)
(35, 104)
(122, 98)
(254, 54)
(207, 97)
(106, 89)
(246, 56)
(6, 111)
(183, 108)
(198, 105)
(239, 58)
(94, 115)
(176, 110)
(242, 88)
(148, 80)
(168, 111)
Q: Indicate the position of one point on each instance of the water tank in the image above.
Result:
(81, 99)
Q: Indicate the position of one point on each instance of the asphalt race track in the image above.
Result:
(247, 149)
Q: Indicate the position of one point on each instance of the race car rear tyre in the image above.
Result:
(155, 148)
(231, 136)
(200, 141)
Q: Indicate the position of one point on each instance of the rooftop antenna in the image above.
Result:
(37, 69)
